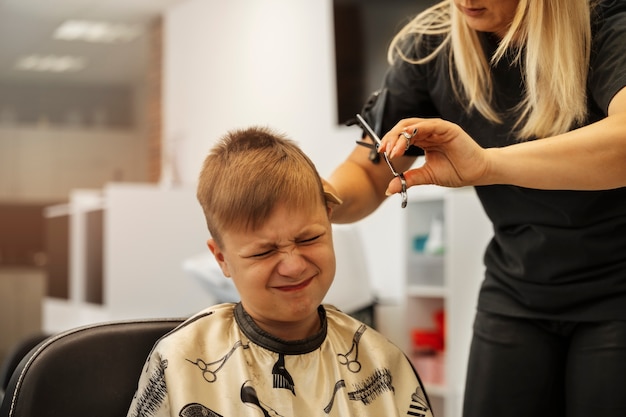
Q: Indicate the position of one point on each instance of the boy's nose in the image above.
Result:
(292, 264)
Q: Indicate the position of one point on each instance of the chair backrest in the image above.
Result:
(89, 371)
(15, 356)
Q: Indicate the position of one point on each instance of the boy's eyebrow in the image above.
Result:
(306, 233)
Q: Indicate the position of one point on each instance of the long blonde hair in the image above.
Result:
(555, 36)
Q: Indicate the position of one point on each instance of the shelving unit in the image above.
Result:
(447, 282)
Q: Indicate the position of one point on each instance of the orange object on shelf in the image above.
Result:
(428, 355)
(440, 321)
(429, 339)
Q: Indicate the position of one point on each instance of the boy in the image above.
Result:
(278, 352)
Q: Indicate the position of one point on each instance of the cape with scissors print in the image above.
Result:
(220, 363)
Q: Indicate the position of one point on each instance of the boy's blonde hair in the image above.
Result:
(247, 173)
(551, 40)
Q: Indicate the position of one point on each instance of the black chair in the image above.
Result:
(15, 355)
(88, 371)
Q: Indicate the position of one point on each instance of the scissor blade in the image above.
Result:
(369, 130)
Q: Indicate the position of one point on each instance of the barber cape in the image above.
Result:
(220, 363)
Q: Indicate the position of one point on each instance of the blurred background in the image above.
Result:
(108, 107)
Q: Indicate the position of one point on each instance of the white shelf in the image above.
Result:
(436, 390)
(426, 270)
(449, 282)
(429, 291)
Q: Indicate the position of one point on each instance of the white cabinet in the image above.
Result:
(446, 282)
(147, 233)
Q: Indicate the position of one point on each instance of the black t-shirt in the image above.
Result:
(555, 254)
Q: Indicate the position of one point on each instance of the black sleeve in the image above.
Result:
(607, 74)
(404, 93)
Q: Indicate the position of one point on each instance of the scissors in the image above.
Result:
(211, 375)
(353, 365)
(377, 144)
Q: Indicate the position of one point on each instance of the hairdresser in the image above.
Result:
(526, 101)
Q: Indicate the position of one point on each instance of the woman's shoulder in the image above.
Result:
(425, 33)
(415, 46)
(611, 6)
(605, 10)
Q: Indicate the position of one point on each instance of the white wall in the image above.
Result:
(149, 232)
(269, 62)
(236, 63)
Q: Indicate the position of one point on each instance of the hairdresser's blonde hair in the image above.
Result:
(247, 173)
(555, 38)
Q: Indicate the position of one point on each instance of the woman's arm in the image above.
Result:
(361, 184)
(589, 158)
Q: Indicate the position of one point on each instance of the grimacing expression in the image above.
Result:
(283, 269)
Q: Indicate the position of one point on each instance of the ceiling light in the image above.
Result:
(92, 31)
(50, 63)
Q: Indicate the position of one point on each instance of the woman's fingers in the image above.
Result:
(453, 158)
(397, 140)
(420, 132)
(416, 176)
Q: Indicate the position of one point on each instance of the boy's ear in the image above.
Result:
(330, 195)
(219, 256)
(331, 198)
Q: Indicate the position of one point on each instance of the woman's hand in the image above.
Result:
(453, 158)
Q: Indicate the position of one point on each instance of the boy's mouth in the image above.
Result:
(295, 287)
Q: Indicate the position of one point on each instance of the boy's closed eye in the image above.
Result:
(262, 252)
(309, 240)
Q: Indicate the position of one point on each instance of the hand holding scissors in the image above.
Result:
(377, 144)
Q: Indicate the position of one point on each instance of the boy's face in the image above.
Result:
(282, 270)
